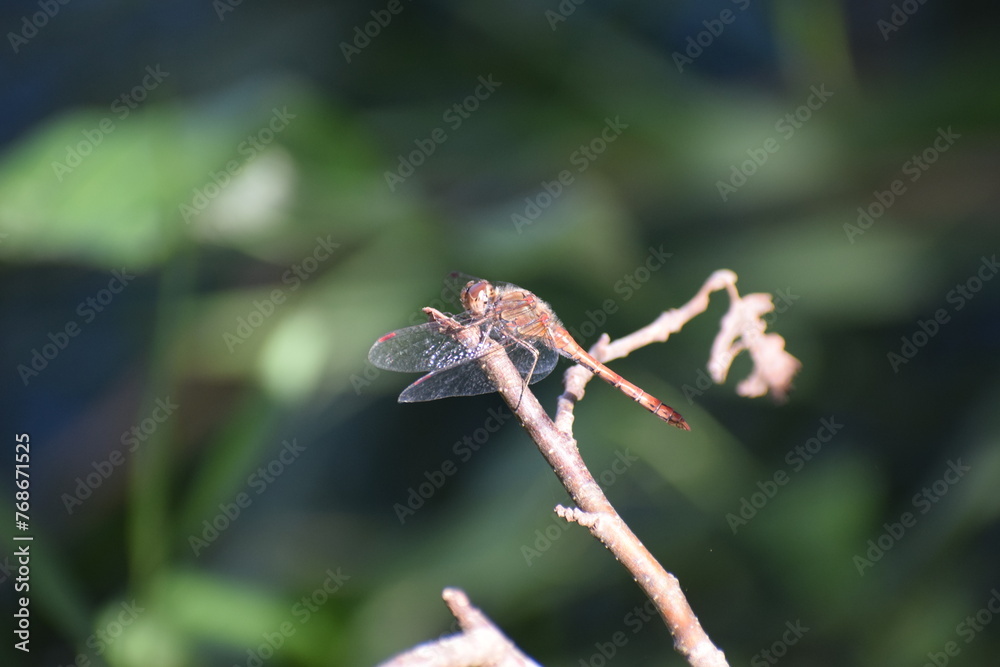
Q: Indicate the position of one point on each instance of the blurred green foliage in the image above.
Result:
(290, 512)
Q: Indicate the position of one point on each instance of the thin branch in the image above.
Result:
(479, 643)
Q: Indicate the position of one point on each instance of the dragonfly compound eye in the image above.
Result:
(478, 292)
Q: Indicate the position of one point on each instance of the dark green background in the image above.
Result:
(302, 376)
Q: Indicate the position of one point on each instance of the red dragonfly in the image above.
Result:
(525, 328)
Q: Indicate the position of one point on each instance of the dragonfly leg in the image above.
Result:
(533, 351)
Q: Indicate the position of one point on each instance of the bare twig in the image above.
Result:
(479, 643)
(742, 329)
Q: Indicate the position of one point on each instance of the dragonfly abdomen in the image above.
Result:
(645, 399)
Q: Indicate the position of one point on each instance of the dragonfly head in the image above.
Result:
(477, 295)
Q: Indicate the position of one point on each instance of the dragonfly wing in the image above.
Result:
(464, 380)
(419, 349)
(526, 362)
(469, 379)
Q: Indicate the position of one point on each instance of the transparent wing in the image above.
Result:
(468, 378)
(465, 380)
(419, 349)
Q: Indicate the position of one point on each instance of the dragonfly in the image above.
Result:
(508, 319)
